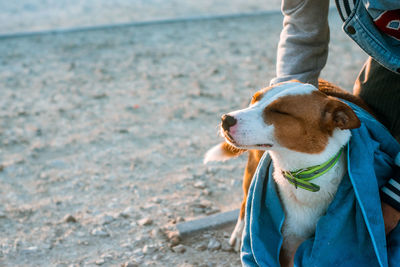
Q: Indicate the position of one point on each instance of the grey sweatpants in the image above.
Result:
(380, 89)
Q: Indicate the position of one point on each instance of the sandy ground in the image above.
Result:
(102, 135)
(34, 15)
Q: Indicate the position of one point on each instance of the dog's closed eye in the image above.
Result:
(278, 111)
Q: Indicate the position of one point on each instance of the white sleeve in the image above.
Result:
(303, 44)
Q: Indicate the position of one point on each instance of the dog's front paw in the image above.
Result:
(236, 236)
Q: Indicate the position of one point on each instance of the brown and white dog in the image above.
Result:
(300, 126)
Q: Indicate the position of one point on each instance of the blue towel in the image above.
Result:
(352, 232)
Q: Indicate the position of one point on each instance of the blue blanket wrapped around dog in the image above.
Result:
(352, 232)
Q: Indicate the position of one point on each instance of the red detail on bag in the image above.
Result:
(389, 23)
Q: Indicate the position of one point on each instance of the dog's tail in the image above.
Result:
(222, 152)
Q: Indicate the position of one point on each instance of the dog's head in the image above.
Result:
(292, 115)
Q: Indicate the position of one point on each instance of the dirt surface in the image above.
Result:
(34, 15)
(102, 135)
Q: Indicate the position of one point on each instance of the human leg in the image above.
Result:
(380, 89)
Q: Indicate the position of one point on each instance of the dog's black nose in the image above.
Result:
(227, 122)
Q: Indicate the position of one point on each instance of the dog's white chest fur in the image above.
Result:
(304, 208)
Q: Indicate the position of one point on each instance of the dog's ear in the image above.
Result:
(337, 114)
(222, 152)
